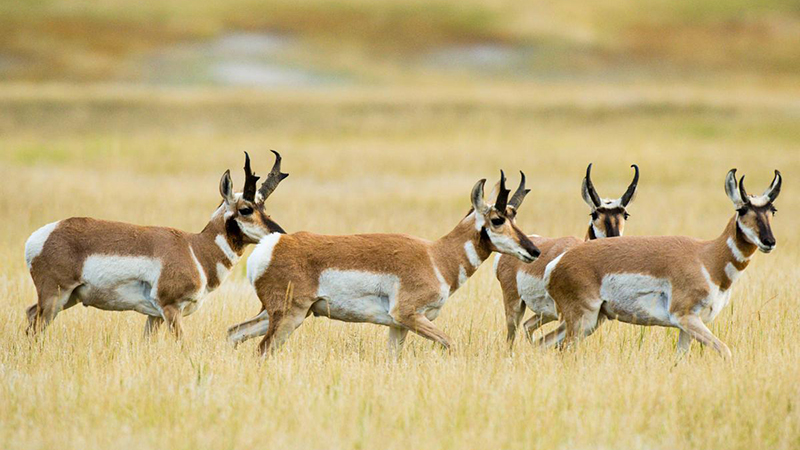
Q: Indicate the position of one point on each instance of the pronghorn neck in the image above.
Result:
(458, 254)
(217, 249)
(726, 257)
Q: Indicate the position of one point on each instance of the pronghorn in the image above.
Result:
(523, 284)
(670, 281)
(163, 273)
(388, 279)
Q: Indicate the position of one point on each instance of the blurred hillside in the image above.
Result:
(312, 42)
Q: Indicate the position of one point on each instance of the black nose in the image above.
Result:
(769, 241)
(531, 249)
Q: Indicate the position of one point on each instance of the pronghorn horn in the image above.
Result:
(743, 191)
(519, 195)
(629, 194)
(588, 187)
(250, 180)
(775, 187)
(502, 196)
(273, 179)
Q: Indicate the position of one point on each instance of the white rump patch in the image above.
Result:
(638, 299)
(548, 269)
(36, 241)
(357, 296)
(472, 255)
(533, 291)
(259, 260)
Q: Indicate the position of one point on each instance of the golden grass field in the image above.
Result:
(685, 89)
(397, 160)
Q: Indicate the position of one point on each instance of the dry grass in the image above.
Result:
(396, 161)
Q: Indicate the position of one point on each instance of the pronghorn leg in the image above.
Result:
(584, 325)
(397, 337)
(51, 302)
(555, 337)
(281, 326)
(254, 327)
(698, 330)
(515, 309)
(152, 325)
(172, 314)
(422, 326)
(534, 323)
(684, 341)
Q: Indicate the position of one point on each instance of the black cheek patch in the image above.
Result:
(235, 235)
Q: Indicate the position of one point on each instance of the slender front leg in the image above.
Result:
(173, 317)
(397, 337)
(697, 329)
(684, 341)
(555, 337)
(515, 309)
(534, 323)
(152, 325)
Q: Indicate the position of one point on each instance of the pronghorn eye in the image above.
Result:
(594, 215)
(497, 221)
(246, 211)
(773, 210)
(625, 215)
(742, 211)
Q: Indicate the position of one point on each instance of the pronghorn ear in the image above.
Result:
(732, 189)
(478, 203)
(226, 188)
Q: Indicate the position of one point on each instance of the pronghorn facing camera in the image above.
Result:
(669, 281)
(524, 284)
(387, 279)
(160, 272)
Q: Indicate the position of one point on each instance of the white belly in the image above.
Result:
(356, 296)
(638, 299)
(533, 291)
(121, 283)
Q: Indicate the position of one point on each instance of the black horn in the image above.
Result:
(628, 195)
(273, 179)
(519, 195)
(502, 196)
(775, 186)
(743, 191)
(588, 187)
(250, 180)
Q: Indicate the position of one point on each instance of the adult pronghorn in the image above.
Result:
(161, 272)
(523, 284)
(669, 281)
(388, 279)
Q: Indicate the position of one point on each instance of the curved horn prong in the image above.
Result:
(519, 195)
(502, 196)
(589, 193)
(743, 191)
(250, 180)
(629, 194)
(775, 187)
(273, 179)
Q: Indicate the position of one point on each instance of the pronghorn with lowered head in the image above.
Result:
(524, 284)
(395, 280)
(163, 273)
(670, 281)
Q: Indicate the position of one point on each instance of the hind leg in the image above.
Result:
(52, 300)
(257, 326)
(397, 337)
(282, 324)
(152, 325)
(534, 323)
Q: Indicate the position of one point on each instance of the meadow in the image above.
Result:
(362, 161)
(686, 90)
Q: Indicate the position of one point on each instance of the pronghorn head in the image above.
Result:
(245, 210)
(495, 220)
(608, 215)
(754, 212)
